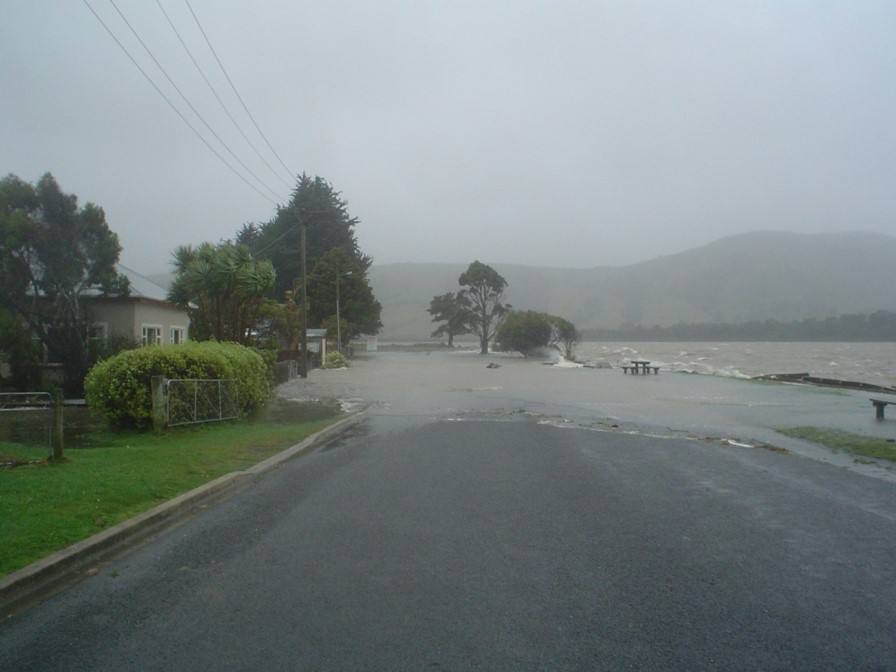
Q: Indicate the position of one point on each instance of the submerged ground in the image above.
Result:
(396, 385)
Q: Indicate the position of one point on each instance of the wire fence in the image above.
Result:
(27, 418)
(196, 400)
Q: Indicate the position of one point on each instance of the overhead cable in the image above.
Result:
(239, 97)
(174, 107)
(187, 100)
(218, 98)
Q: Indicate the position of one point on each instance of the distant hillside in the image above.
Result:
(754, 276)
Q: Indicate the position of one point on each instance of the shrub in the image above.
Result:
(524, 331)
(121, 387)
(335, 360)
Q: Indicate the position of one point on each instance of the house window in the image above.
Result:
(152, 334)
(178, 335)
(97, 333)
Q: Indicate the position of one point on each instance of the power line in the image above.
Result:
(187, 101)
(239, 97)
(174, 107)
(218, 98)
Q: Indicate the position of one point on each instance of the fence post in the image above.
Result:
(158, 403)
(58, 424)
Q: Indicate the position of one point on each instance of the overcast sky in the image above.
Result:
(550, 133)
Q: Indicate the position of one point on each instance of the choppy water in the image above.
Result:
(861, 362)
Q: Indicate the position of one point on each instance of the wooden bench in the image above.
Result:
(879, 406)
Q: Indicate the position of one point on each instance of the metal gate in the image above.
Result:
(194, 400)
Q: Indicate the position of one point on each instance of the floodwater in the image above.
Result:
(413, 387)
(860, 362)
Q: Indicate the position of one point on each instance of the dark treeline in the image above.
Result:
(878, 326)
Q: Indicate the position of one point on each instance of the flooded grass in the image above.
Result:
(855, 444)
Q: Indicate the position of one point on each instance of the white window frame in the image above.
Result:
(177, 334)
(145, 330)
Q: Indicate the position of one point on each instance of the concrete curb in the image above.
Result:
(39, 580)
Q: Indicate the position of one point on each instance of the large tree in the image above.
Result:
(484, 288)
(359, 311)
(318, 208)
(223, 287)
(53, 254)
(453, 310)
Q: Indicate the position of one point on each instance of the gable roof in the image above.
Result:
(142, 287)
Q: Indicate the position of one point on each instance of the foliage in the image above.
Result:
(46, 508)
(324, 214)
(120, 387)
(453, 309)
(52, 254)
(280, 324)
(565, 334)
(525, 332)
(335, 360)
(359, 311)
(484, 288)
(21, 354)
(223, 287)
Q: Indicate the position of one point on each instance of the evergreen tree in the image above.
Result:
(453, 309)
(52, 254)
(322, 211)
(484, 288)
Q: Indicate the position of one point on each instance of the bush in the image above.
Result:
(524, 331)
(121, 387)
(335, 360)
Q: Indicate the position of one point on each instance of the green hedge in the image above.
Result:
(121, 387)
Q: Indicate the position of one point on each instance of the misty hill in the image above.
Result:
(754, 276)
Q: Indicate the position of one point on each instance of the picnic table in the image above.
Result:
(640, 366)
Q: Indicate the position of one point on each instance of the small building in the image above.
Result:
(145, 314)
(317, 344)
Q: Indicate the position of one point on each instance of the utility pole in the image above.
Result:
(303, 368)
(338, 318)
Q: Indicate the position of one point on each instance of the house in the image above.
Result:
(145, 314)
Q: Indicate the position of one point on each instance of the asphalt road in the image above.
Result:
(499, 542)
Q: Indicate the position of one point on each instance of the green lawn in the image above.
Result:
(857, 444)
(45, 507)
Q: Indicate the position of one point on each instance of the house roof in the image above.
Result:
(142, 287)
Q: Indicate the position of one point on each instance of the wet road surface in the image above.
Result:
(471, 529)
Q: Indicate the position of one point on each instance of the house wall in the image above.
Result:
(129, 317)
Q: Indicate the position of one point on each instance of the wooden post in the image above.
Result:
(303, 371)
(58, 423)
(158, 403)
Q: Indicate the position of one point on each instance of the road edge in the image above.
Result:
(28, 586)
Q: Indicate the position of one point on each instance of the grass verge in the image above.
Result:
(45, 507)
(856, 444)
